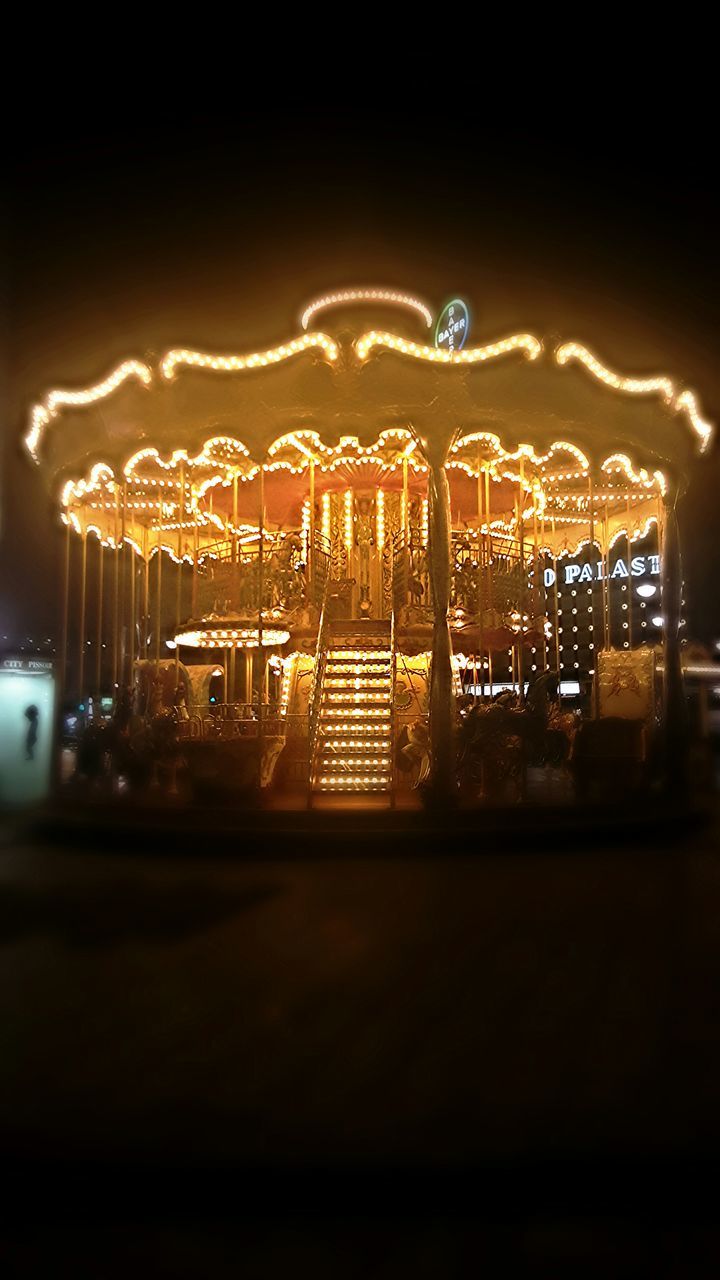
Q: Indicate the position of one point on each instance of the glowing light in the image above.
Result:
(686, 403)
(239, 638)
(682, 402)
(570, 351)
(349, 519)
(472, 355)
(325, 518)
(42, 414)
(256, 360)
(365, 295)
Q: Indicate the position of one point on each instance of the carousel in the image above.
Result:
(373, 558)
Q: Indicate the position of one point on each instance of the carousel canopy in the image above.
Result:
(364, 365)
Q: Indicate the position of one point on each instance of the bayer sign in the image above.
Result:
(452, 326)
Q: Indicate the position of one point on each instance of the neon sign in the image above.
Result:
(594, 573)
(453, 326)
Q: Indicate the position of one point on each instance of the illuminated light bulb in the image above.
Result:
(365, 295)
(230, 364)
(686, 402)
(473, 355)
(570, 351)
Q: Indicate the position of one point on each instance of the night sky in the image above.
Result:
(126, 239)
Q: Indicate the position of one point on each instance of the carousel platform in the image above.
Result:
(338, 827)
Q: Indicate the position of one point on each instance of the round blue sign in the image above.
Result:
(452, 326)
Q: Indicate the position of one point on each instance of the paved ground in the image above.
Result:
(435, 1036)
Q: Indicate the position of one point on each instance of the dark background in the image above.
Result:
(550, 1004)
(129, 236)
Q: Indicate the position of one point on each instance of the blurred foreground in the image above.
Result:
(360, 1061)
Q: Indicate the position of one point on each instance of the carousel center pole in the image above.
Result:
(442, 719)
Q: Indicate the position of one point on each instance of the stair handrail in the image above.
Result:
(392, 708)
(318, 675)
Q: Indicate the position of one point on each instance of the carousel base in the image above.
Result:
(341, 826)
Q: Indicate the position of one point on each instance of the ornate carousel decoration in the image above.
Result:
(330, 555)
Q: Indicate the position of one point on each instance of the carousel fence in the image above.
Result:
(223, 721)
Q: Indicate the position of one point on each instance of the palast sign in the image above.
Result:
(452, 326)
(573, 572)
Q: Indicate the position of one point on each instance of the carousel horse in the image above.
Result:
(413, 751)
(496, 742)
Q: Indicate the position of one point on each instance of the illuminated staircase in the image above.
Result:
(353, 747)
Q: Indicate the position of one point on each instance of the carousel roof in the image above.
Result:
(368, 369)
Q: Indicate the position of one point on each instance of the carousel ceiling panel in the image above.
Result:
(359, 388)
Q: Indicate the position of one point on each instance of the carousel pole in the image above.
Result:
(555, 600)
(83, 586)
(116, 605)
(523, 588)
(673, 694)
(232, 680)
(235, 548)
(310, 550)
(98, 656)
(196, 552)
(536, 557)
(596, 681)
(261, 681)
(481, 593)
(406, 524)
(132, 629)
(606, 579)
(178, 592)
(544, 591)
(442, 716)
(247, 653)
(146, 593)
(64, 679)
(629, 559)
(158, 605)
(488, 543)
(123, 576)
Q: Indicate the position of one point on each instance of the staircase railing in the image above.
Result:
(315, 694)
(392, 709)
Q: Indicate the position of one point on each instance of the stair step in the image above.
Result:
(353, 750)
(359, 655)
(358, 783)
(355, 682)
(357, 669)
